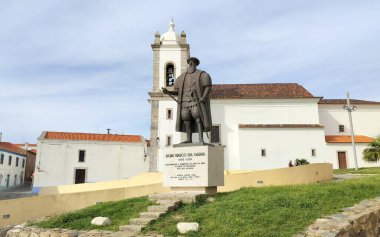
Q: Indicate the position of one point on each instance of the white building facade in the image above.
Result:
(70, 158)
(12, 166)
(260, 126)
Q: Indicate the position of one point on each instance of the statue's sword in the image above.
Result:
(171, 96)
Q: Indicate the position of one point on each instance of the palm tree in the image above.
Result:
(372, 153)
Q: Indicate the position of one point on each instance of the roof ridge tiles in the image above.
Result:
(7, 146)
(260, 91)
(80, 136)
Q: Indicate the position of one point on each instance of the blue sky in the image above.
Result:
(85, 66)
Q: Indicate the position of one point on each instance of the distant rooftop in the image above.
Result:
(260, 91)
(344, 101)
(347, 139)
(90, 137)
(280, 126)
(7, 146)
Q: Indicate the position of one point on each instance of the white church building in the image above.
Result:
(260, 126)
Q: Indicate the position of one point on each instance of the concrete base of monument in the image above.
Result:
(210, 191)
(194, 169)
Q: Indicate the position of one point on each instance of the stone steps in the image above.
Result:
(160, 208)
(169, 202)
(183, 197)
(123, 234)
(141, 221)
(131, 228)
(155, 215)
(164, 204)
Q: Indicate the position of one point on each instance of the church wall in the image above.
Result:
(366, 120)
(166, 128)
(334, 148)
(230, 113)
(281, 145)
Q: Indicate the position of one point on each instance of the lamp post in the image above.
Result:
(349, 109)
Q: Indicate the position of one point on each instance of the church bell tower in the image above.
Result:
(170, 54)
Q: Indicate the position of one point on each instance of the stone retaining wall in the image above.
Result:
(361, 220)
(39, 232)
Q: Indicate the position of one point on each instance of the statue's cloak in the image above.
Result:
(203, 80)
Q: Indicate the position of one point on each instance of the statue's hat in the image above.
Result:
(193, 59)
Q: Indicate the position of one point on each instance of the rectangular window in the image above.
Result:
(1, 159)
(23, 163)
(169, 113)
(10, 160)
(17, 161)
(341, 128)
(313, 152)
(215, 134)
(263, 152)
(168, 140)
(82, 154)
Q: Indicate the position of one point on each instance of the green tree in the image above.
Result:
(302, 161)
(372, 152)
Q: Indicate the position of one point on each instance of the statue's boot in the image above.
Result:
(200, 130)
(188, 132)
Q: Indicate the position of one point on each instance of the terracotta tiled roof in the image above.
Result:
(7, 146)
(259, 91)
(347, 139)
(23, 145)
(344, 101)
(34, 151)
(92, 137)
(280, 126)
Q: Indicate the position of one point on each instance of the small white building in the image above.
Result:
(71, 158)
(260, 126)
(12, 166)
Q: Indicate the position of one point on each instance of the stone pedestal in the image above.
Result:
(194, 169)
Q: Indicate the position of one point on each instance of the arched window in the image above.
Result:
(170, 74)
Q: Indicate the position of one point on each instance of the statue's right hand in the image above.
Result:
(164, 90)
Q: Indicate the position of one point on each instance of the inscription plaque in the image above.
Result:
(195, 166)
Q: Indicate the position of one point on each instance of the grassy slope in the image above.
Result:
(270, 211)
(119, 212)
(374, 170)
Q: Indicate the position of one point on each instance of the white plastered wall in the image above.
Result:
(11, 170)
(366, 120)
(169, 55)
(230, 113)
(281, 145)
(57, 161)
(334, 148)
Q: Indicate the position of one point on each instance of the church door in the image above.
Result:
(342, 160)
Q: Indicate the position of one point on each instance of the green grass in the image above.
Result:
(119, 212)
(268, 211)
(373, 170)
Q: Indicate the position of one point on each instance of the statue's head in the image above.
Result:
(193, 63)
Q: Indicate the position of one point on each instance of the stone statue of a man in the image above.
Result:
(193, 88)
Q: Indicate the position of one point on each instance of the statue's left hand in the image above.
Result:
(202, 100)
(164, 90)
